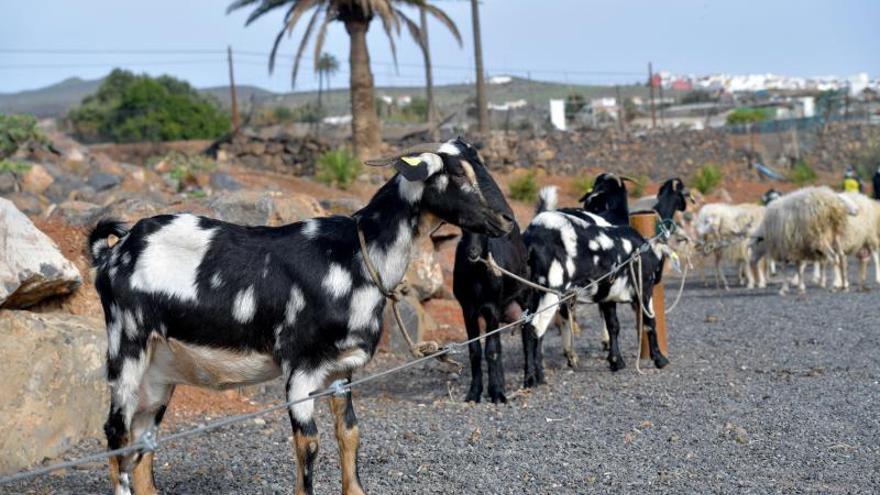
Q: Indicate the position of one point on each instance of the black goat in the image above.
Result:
(193, 300)
(495, 297)
(573, 248)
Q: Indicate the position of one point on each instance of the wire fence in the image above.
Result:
(149, 441)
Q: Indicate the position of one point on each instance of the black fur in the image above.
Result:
(491, 296)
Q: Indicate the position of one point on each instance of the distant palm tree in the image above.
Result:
(356, 15)
(326, 66)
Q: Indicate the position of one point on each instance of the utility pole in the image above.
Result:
(662, 113)
(621, 111)
(482, 104)
(232, 89)
(429, 78)
(651, 86)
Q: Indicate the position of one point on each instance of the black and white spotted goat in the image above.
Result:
(193, 300)
(571, 248)
(490, 296)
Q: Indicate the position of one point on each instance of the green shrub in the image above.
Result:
(637, 190)
(282, 114)
(338, 168)
(183, 168)
(524, 187)
(748, 115)
(131, 108)
(802, 173)
(582, 185)
(14, 166)
(17, 131)
(707, 178)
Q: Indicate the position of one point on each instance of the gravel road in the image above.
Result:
(765, 394)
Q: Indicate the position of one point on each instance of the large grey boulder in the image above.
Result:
(53, 388)
(31, 266)
(264, 208)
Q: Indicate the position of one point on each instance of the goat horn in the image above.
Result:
(416, 149)
(628, 179)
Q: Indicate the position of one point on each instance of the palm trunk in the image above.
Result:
(429, 78)
(482, 105)
(365, 132)
(320, 86)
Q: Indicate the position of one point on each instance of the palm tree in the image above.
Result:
(482, 104)
(356, 15)
(326, 66)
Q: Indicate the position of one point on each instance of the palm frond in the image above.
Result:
(319, 40)
(391, 25)
(278, 38)
(237, 4)
(302, 44)
(445, 20)
(414, 30)
(263, 8)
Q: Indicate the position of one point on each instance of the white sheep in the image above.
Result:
(803, 226)
(730, 228)
(861, 238)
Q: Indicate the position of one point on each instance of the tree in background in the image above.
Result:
(429, 76)
(326, 66)
(482, 100)
(356, 15)
(131, 108)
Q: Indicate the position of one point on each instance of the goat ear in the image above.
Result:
(587, 195)
(413, 167)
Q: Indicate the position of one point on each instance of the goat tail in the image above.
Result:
(547, 199)
(99, 244)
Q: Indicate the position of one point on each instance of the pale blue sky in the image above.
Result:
(597, 41)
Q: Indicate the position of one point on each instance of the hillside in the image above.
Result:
(56, 99)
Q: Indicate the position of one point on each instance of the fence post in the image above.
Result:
(646, 224)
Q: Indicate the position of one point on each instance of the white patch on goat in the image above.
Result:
(627, 246)
(295, 303)
(569, 266)
(337, 282)
(310, 229)
(129, 325)
(277, 331)
(435, 163)
(410, 191)
(554, 274)
(593, 245)
(561, 223)
(170, 261)
(391, 264)
(605, 241)
(126, 258)
(351, 359)
(449, 149)
(126, 386)
(619, 291)
(244, 305)
(216, 280)
(542, 280)
(441, 182)
(114, 331)
(266, 261)
(595, 260)
(543, 316)
(303, 383)
(363, 305)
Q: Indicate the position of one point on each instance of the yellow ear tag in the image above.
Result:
(411, 161)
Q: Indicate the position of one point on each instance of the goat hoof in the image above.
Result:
(473, 396)
(572, 361)
(661, 361)
(497, 397)
(616, 363)
(530, 381)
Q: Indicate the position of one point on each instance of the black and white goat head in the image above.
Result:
(193, 300)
